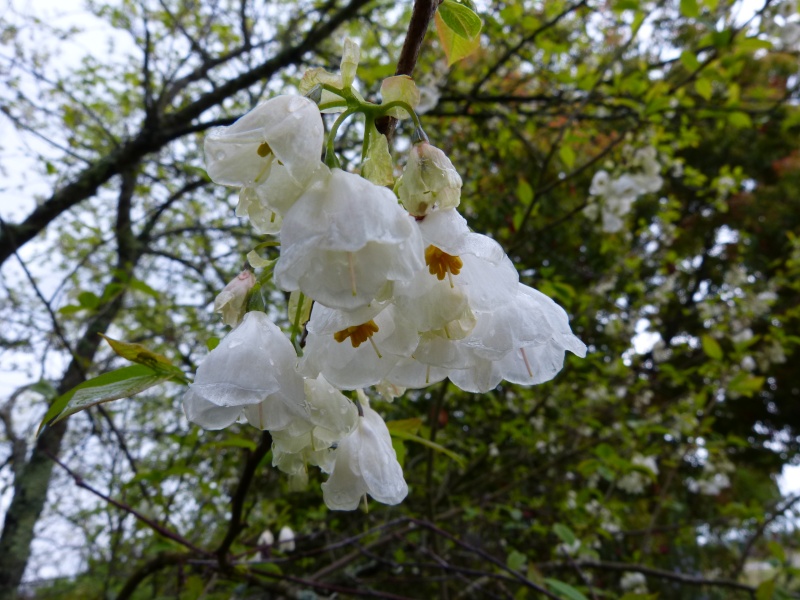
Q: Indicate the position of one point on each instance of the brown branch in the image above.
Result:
(236, 524)
(651, 571)
(161, 561)
(149, 140)
(421, 17)
(486, 556)
(163, 531)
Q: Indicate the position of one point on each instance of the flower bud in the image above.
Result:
(232, 301)
(429, 181)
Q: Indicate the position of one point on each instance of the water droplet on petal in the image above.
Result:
(220, 155)
(234, 343)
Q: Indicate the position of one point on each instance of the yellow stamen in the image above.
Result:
(527, 364)
(441, 263)
(358, 334)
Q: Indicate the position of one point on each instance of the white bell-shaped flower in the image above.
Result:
(251, 372)
(345, 240)
(366, 463)
(523, 342)
(429, 181)
(285, 128)
(331, 417)
(356, 349)
(272, 153)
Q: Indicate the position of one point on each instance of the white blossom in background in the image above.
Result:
(714, 479)
(636, 482)
(634, 583)
(612, 197)
(286, 539)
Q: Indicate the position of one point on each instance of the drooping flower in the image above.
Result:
(523, 342)
(272, 153)
(231, 301)
(286, 539)
(331, 417)
(365, 463)
(345, 240)
(251, 373)
(429, 181)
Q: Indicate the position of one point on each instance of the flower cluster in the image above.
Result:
(612, 198)
(404, 294)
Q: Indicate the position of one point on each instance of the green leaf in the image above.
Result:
(88, 300)
(212, 343)
(70, 309)
(689, 60)
(234, 442)
(299, 309)
(45, 388)
(141, 286)
(711, 347)
(564, 533)
(752, 44)
(567, 155)
(745, 384)
(139, 354)
(378, 166)
(564, 589)
(690, 9)
(455, 47)
(766, 590)
(121, 383)
(703, 88)
(516, 560)
(524, 191)
(740, 119)
(410, 437)
(405, 425)
(777, 550)
(460, 19)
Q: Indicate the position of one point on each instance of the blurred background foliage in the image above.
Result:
(647, 470)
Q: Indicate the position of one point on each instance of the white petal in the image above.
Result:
(290, 125)
(208, 415)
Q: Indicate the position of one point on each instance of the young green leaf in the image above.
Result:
(459, 30)
(402, 433)
(565, 590)
(711, 347)
(461, 19)
(139, 354)
(121, 383)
